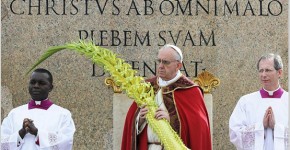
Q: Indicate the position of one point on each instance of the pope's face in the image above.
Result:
(167, 64)
(39, 86)
(269, 77)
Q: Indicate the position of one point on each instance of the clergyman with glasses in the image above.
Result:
(180, 102)
(260, 119)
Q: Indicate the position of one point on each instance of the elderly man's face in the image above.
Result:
(168, 66)
(269, 77)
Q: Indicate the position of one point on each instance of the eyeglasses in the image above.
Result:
(266, 70)
(164, 62)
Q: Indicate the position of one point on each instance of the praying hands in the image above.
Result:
(269, 119)
(27, 127)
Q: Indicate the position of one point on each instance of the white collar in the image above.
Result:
(163, 83)
(272, 92)
(39, 102)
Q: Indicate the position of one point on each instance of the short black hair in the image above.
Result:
(42, 70)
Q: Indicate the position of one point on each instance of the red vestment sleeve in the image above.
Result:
(127, 139)
(130, 139)
(195, 128)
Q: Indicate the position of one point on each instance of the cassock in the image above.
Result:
(55, 127)
(247, 131)
(188, 117)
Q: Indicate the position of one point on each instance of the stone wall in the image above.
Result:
(224, 37)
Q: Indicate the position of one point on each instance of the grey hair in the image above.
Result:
(278, 64)
(178, 54)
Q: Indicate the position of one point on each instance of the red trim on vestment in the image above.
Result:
(195, 128)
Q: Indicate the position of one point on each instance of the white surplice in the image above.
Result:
(246, 123)
(55, 129)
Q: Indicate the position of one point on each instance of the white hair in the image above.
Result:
(177, 50)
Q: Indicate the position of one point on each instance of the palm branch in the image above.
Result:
(124, 76)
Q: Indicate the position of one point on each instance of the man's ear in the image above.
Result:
(51, 87)
(179, 65)
(280, 72)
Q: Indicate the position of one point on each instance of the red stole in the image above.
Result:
(192, 114)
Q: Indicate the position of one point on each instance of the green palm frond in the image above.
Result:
(134, 86)
(47, 54)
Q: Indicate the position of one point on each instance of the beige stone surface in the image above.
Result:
(239, 42)
(208, 100)
(121, 104)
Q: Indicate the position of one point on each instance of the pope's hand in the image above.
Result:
(143, 111)
(161, 113)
